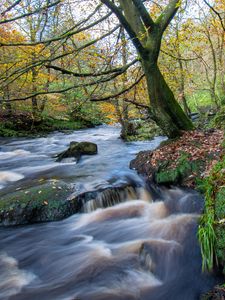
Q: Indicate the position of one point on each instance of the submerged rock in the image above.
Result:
(77, 149)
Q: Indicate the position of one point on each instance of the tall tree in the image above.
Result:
(146, 35)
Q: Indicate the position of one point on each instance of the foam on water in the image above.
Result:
(8, 176)
(12, 279)
(15, 153)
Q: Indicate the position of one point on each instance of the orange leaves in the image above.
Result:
(197, 144)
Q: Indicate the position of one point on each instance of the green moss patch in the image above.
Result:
(46, 202)
(144, 131)
(185, 170)
(212, 225)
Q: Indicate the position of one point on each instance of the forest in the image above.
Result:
(102, 102)
(56, 64)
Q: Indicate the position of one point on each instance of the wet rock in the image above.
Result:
(77, 149)
(55, 200)
(46, 202)
(218, 293)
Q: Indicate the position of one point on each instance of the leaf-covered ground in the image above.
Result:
(183, 159)
(197, 144)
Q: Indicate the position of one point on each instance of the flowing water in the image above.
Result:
(138, 249)
(26, 161)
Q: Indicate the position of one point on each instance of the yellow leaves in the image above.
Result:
(178, 4)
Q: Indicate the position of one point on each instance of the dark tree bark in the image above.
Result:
(146, 36)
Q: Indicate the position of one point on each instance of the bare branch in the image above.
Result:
(179, 58)
(22, 71)
(11, 7)
(116, 70)
(110, 97)
(92, 83)
(62, 36)
(30, 13)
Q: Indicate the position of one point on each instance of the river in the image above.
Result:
(138, 249)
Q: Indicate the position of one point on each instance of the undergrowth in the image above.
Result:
(211, 233)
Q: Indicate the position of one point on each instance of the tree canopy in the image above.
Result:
(62, 55)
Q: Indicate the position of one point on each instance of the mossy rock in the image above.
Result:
(220, 245)
(219, 120)
(46, 202)
(144, 130)
(77, 149)
(181, 173)
(220, 204)
(55, 200)
(220, 226)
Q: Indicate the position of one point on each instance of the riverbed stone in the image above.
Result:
(76, 149)
(55, 200)
(45, 202)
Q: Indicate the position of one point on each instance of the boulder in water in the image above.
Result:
(55, 200)
(77, 149)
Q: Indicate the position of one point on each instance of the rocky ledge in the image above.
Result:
(55, 200)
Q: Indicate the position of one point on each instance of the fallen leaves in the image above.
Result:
(198, 144)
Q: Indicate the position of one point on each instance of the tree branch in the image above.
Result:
(136, 103)
(215, 12)
(31, 13)
(125, 24)
(62, 36)
(120, 93)
(178, 58)
(11, 7)
(116, 70)
(167, 15)
(146, 18)
(102, 80)
(22, 71)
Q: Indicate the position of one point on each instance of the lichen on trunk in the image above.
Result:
(166, 111)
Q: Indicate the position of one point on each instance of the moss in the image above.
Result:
(145, 130)
(218, 120)
(213, 217)
(10, 129)
(45, 192)
(167, 177)
(220, 245)
(220, 203)
(220, 226)
(184, 169)
(44, 202)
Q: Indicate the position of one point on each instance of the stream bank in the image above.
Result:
(22, 124)
(195, 160)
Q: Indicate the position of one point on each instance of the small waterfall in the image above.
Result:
(112, 196)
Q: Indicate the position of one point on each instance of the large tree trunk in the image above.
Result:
(166, 111)
(146, 35)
